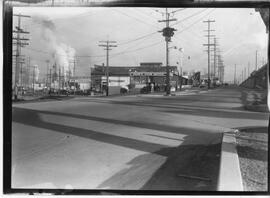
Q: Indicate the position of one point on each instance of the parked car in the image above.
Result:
(64, 92)
(145, 90)
(124, 90)
(202, 86)
(79, 92)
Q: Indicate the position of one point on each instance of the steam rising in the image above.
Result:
(63, 54)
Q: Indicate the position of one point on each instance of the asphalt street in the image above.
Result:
(140, 142)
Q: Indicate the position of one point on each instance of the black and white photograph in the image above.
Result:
(147, 98)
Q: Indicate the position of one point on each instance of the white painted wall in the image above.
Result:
(117, 80)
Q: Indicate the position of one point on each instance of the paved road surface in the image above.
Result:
(132, 142)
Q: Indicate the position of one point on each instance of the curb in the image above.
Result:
(230, 178)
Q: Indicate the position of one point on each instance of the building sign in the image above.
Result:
(80, 77)
(116, 81)
(149, 74)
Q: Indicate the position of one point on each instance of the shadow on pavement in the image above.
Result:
(189, 158)
(182, 165)
(182, 109)
(29, 116)
(220, 114)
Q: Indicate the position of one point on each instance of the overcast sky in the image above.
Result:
(77, 31)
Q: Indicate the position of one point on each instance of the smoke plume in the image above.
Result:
(63, 54)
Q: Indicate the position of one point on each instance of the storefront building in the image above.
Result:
(147, 74)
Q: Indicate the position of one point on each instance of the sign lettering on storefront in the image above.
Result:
(148, 73)
(116, 80)
(80, 77)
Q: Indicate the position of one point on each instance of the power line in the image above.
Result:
(130, 51)
(140, 11)
(178, 10)
(195, 22)
(127, 42)
(124, 43)
(139, 20)
(190, 16)
(136, 39)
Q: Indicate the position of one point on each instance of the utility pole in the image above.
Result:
(256, 64)
(168, 32)
(235, 74)
(262, 61)
(221, 67)
(74, 64)
(107, 46)
(245, 74)
(248, 68)
(50, 79)
(28, 72)
(47, 75)
(20, 77)
(19, 44)
(208, 46)
(242, 76)
(215, 48)
(59, 78)
(90, 79)
(214, 70)
(34, 80)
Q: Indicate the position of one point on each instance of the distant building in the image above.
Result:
(134, 76)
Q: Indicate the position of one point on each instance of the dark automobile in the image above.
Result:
(202, 86)
(79, 92)
(123, 90)
(145, 90)
(64, 92)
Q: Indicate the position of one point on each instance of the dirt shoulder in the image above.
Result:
(252, 148)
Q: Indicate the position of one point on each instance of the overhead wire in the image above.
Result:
(196, 21)
(199, 12)
(135, 18)
(162, 41)
(140, 11)
(129, 51)
(181, 9)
